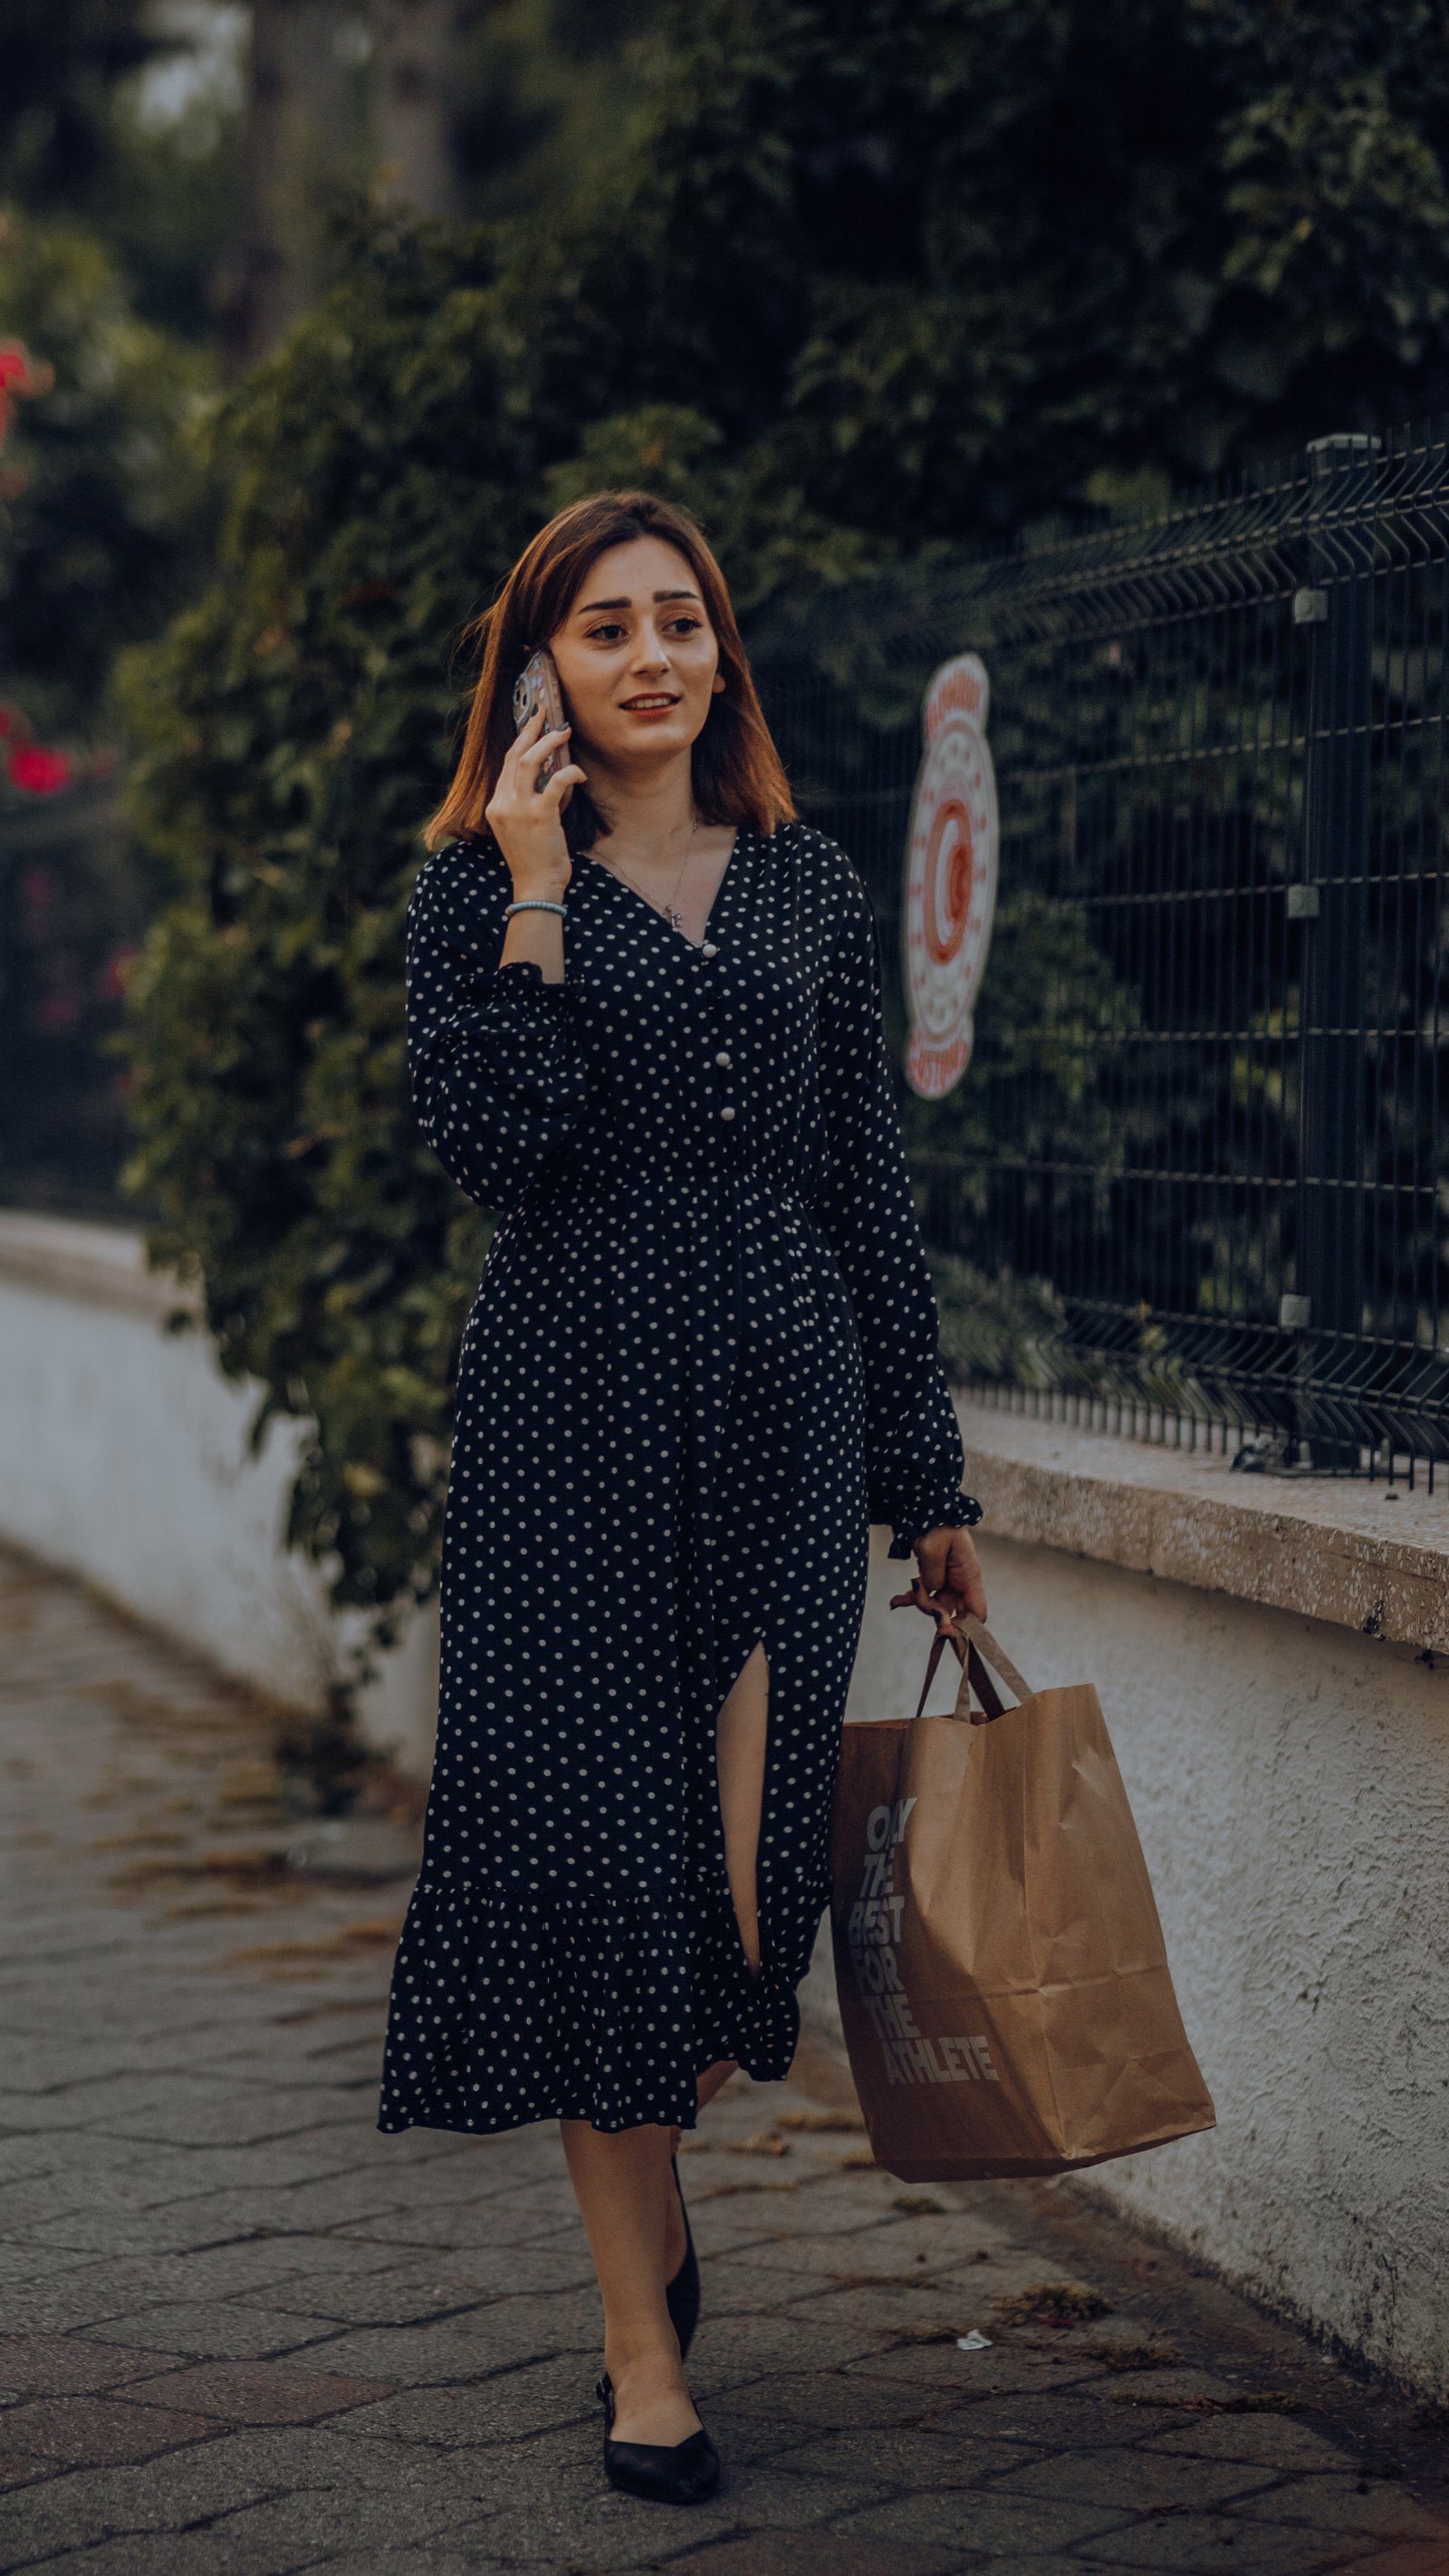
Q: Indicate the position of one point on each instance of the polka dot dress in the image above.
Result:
(702, 1359)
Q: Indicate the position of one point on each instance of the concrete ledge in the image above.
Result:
(101, 1265)
(1371, 1557)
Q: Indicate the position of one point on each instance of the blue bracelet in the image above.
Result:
(533, 903)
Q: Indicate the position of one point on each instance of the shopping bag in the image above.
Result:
(1003, 1980)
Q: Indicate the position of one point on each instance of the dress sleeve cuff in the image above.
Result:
(519, 985)
(962, 1512)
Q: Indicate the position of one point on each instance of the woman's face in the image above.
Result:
(637, 657)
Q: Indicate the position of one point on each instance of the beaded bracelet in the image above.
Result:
(533, 903)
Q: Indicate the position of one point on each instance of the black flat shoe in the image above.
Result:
(662, 2473)
(682, 2293)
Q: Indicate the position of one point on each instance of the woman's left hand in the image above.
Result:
(948, 1575)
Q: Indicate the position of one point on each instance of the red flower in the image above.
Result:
(112, 981)
(37, 772)
(19, 374)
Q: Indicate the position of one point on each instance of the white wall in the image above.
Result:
(1290, 1782)
(123, 1457)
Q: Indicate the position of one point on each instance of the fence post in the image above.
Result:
(1337, 610)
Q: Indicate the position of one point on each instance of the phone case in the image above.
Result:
(537, 686)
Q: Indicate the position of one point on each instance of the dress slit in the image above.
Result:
(742, 1817)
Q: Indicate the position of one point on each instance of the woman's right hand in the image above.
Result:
(526, 821)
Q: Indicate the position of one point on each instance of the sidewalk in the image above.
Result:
(243, 2334)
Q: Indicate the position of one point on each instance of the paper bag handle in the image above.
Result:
(973, 1645)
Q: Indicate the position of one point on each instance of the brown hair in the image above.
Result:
(738, 774)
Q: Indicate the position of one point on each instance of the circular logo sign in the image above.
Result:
(951, 857)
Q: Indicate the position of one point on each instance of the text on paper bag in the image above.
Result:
(873, 1933)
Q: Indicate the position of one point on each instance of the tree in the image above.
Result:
(305, 138)
(867, 281)
(78, 145)
(416, 81)
(63, 59)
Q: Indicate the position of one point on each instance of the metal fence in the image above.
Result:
(1192, 1182)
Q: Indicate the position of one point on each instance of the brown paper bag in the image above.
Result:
(1003, 1981)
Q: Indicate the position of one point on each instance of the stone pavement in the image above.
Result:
(243, 2334)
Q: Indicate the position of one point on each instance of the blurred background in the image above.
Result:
(960, 324)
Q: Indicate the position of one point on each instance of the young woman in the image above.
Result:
(645, 1023)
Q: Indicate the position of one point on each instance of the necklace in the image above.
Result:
(674, 917)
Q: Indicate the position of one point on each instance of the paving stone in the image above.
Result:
(1402, 2558)
(183, 2488)
(380, 2353)
(1340, 2502)
(813, 2553)
(66, 2365)
(441, 2559)
(488, 2339)
(1059, 2565)
(59, 2306)
(1187, 2544)
(903, 2456)
(334, 2453)
(312, 2523)
(438, 2560)
(89, 2432)
(169, 2110)
(187, 2553)
(765, 2439)
(258, 2392)
(778, 2498)
(1279, 2441)
(734, 2347)
(1136, 2480)
(556, 2530)
(835, 2400)
(264, 2264)
(1076, 2420)
(26, 2262)
(985, 2521)
(971, 2375)
(429, 2288)
(107, 2502)
(218, 2331)
(499, 2408)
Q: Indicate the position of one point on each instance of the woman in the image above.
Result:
(644, 1021)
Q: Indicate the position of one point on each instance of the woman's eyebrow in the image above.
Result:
(592, 607)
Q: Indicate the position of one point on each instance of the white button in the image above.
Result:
(723, 1062)
(709, 949)
(726, 1113)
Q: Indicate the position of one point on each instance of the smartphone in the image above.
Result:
(538, 686)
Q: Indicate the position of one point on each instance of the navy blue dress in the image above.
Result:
(702, 1359)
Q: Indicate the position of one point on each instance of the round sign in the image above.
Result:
(950, 895)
